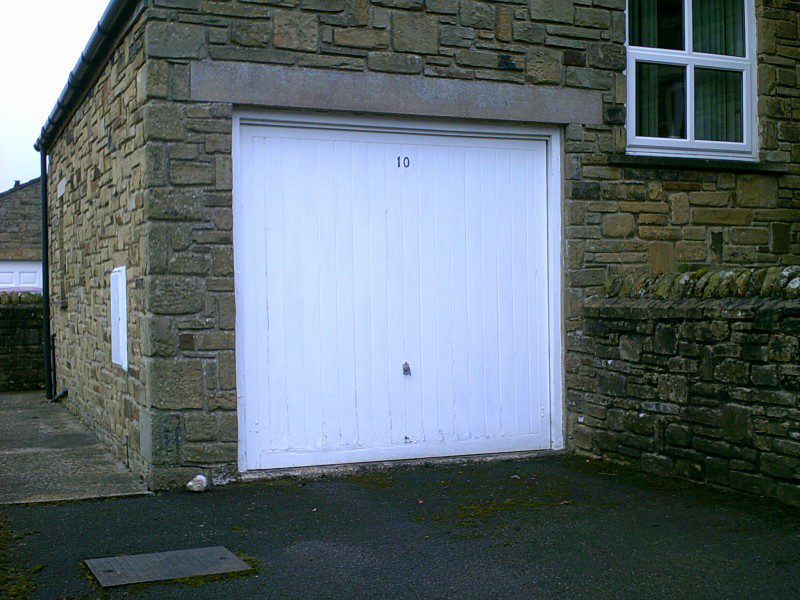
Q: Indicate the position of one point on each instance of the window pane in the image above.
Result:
(660, 100)
(657, 23)
(718, 103)
(719, 27)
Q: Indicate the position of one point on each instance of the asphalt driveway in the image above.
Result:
(537, 528)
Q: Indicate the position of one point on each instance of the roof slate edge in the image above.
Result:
(21, 186)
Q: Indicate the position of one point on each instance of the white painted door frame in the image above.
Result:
(553, 139)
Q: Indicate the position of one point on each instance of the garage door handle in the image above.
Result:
(406, 369)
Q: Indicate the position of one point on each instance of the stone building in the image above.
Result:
(21, 237)
(288, 233)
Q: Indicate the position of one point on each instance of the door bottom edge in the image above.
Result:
(343, 470)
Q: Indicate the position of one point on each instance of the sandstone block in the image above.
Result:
(361, 38)
(533, 33)
(296, 30)
(175, 40)
(390, 62)
(757, 191)
(619, 225)
(721, 216)
(175, 295)
(544, 65)
(679, 207)
(660, 255)
(415, 33)
(560, 11)
(174, 384)
(477, 14)
(709, 198)
(505, 21)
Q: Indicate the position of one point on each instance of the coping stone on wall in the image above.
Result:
(317, 89)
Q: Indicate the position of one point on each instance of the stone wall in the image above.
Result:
(95, 226)
(620, 214)
(21, 346)
(697, 376)
(21, 222)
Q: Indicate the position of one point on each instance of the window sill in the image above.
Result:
(697, 164)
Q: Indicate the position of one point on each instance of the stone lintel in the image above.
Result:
(269, 86)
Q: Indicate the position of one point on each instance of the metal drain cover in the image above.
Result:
(162, 566)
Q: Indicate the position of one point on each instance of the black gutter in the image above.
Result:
(48, 357)
(114, 18)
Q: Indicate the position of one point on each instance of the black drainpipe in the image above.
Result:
(48, 357)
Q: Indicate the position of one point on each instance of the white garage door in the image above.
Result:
(393, 293)
(20, 275)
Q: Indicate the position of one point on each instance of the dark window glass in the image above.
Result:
(718, 27)
(657, 23)
(660, 100)
(718, 105)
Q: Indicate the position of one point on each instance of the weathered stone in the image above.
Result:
(163, 121)
(175, 40)
(673, 388)
(295, 30)
(455, 35)
(250, 33)
(779, 239)
(532, 33)
(757, 191)
(394, 63)
(161, 437)
(661, 257)
(561, 11)
(489, 60)
(323, 5)
(709, 198)
(174, 295)
(361, 38)
(200, 426)
(630, 348)
(205, 453)
(607, 56)
(416, 33)
(721, 216)
(449, 7)
(679, 206)
(665, 339)
(191, 173)
(588, 78)
(737, 424)
(619, 225)
(783, 348)
(505, 21)
(543, 65)
(173, 204)
(175, 384)
(733, 371)
(477, 14)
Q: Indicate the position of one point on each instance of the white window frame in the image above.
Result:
(119, 317)
(690, 147)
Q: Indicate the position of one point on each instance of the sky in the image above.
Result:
(40, 42)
